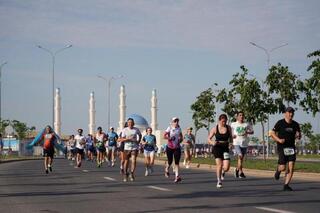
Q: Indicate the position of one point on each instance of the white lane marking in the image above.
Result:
(110, 178)
(273, 210)
(85, 170)
(159, 188)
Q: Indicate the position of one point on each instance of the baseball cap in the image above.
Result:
(174, 118)
(111, 127)
(289, 109)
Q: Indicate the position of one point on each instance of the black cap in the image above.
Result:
(289, 109)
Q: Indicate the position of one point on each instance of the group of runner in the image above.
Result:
(221, 137)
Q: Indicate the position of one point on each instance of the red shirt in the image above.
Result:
(48, 141)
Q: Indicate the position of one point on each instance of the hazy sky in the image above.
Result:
(179, 47)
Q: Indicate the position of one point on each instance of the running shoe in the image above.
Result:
(47, 171)
(166, 173)
(177, 179)
(50, 168)
(277, 175)
(236, 173)
(223, 174)
(187, 166)
(242, 175)
(112, 164)
(286, 187)
(125, 178)
(151, 170)
(131, 177)
(147, 172)
(219, 185)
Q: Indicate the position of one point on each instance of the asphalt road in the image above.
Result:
(24, 187)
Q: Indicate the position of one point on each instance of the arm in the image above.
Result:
(276, 138)
(210, 136)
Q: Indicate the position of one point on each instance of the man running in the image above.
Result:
(89, 147)
(99, 140)
(80, 144)
(48, 148)
(173, 150)
(131, 137)
(112, 145)
(240, 132)
(149, 143)
(285, 132)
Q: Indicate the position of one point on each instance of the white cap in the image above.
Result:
(111, 127)
(174, 118)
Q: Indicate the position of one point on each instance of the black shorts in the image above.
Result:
(221, 150)
(121, 147)
(48, 153)
(283, 159)
(80, 151)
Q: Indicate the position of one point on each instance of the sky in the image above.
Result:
(178, 47)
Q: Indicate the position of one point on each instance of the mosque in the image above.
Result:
(140, 122)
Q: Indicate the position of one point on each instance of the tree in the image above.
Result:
(284, 84)
(3, 125)
(248, 96)
(311, 87)
(306, 130)
(203, 110)
(21, 129)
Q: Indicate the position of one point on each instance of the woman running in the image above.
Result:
(173, 150)
(99, 142)
(223, 135)
(121, 150)
(149, 143)
(188, 143)
(112, 145)
(90, 147)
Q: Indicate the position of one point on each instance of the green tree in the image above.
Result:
(311, 87)
(204, 110)
(284, 85)
(21, 129)
(3, 125)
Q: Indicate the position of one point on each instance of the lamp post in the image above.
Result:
(268, 52)
(108, 88)
(0, 87)
(53, 56)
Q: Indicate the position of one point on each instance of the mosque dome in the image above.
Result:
(139, 121)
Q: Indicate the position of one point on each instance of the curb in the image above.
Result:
(17, 159)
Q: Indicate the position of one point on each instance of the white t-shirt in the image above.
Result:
(239, 130)
(80, 141)
(174, 137)
(133, 133)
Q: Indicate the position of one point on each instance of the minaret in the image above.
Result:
(57, 112)
(122, 107)
(92, 114)
(154, 109)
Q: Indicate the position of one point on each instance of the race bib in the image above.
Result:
(288, 151)
(226, 156)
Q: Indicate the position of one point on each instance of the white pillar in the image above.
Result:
(92, 114)
(57, 112)
(154, 109)
(122, 107)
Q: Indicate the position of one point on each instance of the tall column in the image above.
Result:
(57, 114)
(154, 109)
(122, 107)
(92, 114)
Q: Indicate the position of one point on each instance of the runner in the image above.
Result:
(89, 147)
(80, 143)
(223, 135)
(149, 143)
(48, 148)
(112, 145)
(131, 137)
(99, 142)
(285, 132)
(188, 143)
(173, 150)
(240, 132)
(71, 147)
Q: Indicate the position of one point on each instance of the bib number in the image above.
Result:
(226, 156)
(288, 151)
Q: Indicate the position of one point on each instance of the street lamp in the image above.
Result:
(53, 56)
(267, 52)
(0, 86)
(108, 88)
